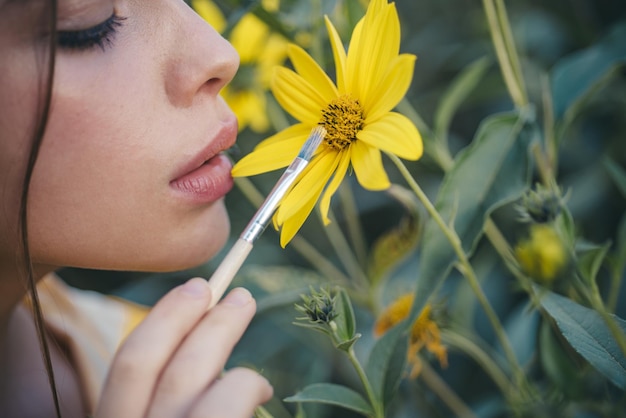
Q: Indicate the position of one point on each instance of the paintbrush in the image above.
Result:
(225, 272)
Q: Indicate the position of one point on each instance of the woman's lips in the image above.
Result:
(207, 183)
(206, 177)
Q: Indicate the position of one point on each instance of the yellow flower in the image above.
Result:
(542, 255)
(210, 12)
(393, 314)
(372, 77)
(260, 50)
(424, 332)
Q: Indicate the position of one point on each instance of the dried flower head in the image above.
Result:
(424, 331)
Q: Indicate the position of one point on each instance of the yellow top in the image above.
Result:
(91, 325)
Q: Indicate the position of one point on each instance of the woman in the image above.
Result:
(111, 130)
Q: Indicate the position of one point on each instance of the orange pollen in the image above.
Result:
(342, 118)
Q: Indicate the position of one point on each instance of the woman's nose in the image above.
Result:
(202, 62)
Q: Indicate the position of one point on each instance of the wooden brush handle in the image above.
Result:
(225, 272)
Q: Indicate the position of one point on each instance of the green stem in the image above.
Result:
(447, 395)
(465, 267)
(319, 261)
(498, 241)
(502, 247)
(351, 215)
(249, 191)
(485, 360)
(344, 252)
(436, 149)
(498, 27)
(543, 166)
(275, 114)
(261, 412)
(376, 404)
(509, 42)
(548, 124)
(614, 289)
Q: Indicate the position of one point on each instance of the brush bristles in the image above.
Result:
(313, 141)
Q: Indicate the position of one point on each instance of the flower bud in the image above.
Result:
(541, 205)
(542, 255)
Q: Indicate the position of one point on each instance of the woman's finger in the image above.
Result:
(202, 356)
(141, 358)
(235, 395)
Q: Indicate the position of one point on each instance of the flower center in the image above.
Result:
(342, 118)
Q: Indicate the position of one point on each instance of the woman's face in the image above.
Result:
(129, 174)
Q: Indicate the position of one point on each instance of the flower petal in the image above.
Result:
(339, 54)
(289, 216)
(292, 225)
(340, 173)
(297, 96)
(274, 53)
(248, 37)
(393, 133)
(312, 72)
(311, 183)
(298, 133)
(210, 12)
(353, 72)
(392, 87)
(375, 45)
(249, 107)
(270, 156)
(368, 166)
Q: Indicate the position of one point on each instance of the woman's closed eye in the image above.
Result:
(100, 35)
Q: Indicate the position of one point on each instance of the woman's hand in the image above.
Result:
(171, 365)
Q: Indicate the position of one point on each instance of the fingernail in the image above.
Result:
(195, 287)
(238, 297)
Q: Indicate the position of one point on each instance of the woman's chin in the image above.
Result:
(179, 246)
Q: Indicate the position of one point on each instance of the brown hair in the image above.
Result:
(49, 19)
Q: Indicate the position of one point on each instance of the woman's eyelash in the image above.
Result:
(100, 35)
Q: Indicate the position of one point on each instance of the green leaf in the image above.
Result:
(617, 173)
(567, 227)
(620, 251)
(580, 73)
(490, 172)
(589, 335)
(459, 90)
(346, 322)
(347, 344)
(332, 394)
(590, 260)
(317, 327)
(386, 364)
(557, 364)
